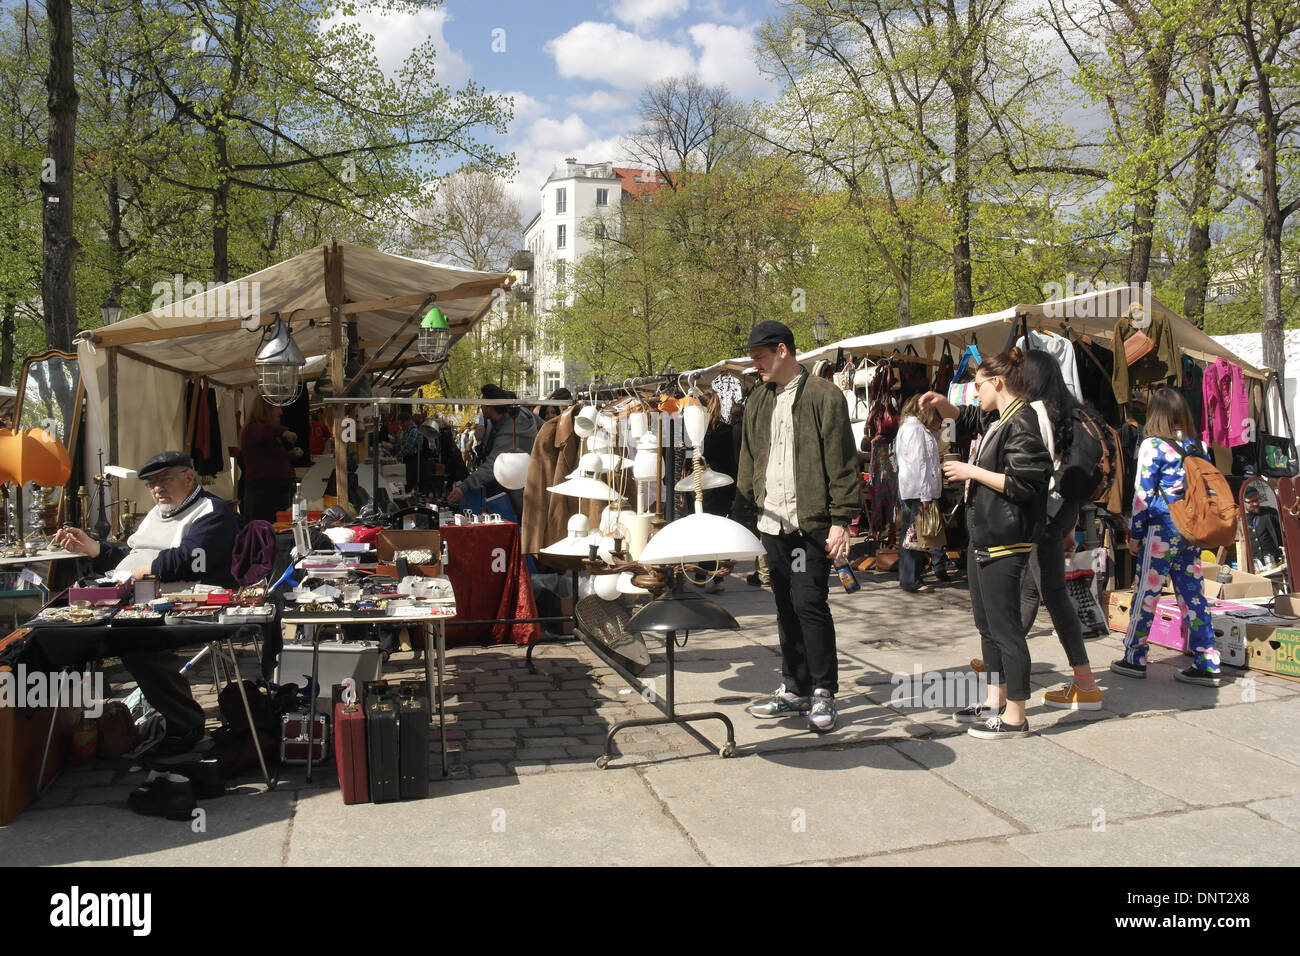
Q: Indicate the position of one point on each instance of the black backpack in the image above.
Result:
(1083, 464)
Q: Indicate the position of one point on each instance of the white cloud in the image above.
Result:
(528, 109)
(603, 101)
(641, 13)
(727, 56)
(715, 11)
(397, 34)
(601, 51)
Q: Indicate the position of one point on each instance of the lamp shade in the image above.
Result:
(584, 423)
(682, 612)
(696, 420)
(435, 335)
(576, 542)
(592, 488)
(625, 585)
(34, 455)
(645, 466)
(511, 469)
(709, 478)
(701, 537)
(606, 586)
(279, 365)
(637, 424)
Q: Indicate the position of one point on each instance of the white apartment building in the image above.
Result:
(559, 235)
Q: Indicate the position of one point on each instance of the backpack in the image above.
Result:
(1086, 463)
(1206, 515)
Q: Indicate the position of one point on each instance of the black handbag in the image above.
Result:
(1277, 453)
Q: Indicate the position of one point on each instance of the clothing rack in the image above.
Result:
(600, 388)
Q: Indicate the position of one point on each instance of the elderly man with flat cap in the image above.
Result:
(186, 538)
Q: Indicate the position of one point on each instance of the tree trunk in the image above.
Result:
(1274, 349)
(58, 285)
(963, 301)
(1198, 230)
(1150, 173)
(7, 329)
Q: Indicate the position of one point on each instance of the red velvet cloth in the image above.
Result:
(491, 582)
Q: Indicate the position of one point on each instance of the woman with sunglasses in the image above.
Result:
(1005, 513)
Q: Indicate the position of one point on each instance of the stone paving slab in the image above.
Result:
(833, 804)
(1036, 782)
(1194, 765)
(536, 820)
(977, 853)
(1267, 725)
(1221, 836)
(1284, 810)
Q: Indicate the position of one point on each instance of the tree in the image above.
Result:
(687, 128)
(476, 221)
(58, 286)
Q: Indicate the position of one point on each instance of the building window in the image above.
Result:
(561, 236)
(600, 230)
(602, 197)
(560, 271)
(550, 382)
(561, 200)
(645, 197)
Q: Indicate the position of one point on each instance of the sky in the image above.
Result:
(576, 69)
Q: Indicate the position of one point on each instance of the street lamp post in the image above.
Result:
(821, 329)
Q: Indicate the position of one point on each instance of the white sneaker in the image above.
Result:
(822, 716)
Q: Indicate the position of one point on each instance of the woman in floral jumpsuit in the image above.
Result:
(1167, 439)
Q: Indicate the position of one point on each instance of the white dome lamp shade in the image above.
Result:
(709, 478)
(696, 420)
(638, 423)
(606, 586)
(511, 469)
(583, 482)
(701, 537)
(584, 423)
(577, 543)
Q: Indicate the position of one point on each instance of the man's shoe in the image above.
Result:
(781, 704)
(975, 713)
(164, 795)
(1073, 697)
(205, 775)
(1194, 675)
(995, 728)
(182, 749)
(941, 574)
(822, 716)
(1125, 669)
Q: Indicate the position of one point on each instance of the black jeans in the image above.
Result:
(801, 573)
(263, 497)
(159, 679)
(1045, 577)
(995, 599)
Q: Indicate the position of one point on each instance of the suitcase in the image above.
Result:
(293, 739)
(350, 749)
(381, 742)
(413, 738)
(23, 732)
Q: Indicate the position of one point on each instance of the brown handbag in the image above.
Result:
(886, 559)
(1137, 347)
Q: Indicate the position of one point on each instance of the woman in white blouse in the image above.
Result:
(919, 480)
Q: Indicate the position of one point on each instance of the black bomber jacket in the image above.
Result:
(1013, 520)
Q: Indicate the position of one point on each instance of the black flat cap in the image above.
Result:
(771, 334)
(164, 460)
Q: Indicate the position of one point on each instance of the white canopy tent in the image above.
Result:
(1093, 314)
(136, 370)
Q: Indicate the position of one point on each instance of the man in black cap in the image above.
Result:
(510, 428)
(799, 473)
(186, 538)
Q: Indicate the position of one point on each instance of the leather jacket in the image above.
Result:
(1015, 516)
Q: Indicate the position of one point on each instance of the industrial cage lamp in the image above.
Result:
(435, 336)
(279, 365)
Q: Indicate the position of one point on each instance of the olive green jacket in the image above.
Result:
(828, 483)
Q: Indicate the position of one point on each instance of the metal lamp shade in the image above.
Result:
(682, 612)
(279, 364)
(709, 478)
(434, 344)
(511, 469)
(701, 537)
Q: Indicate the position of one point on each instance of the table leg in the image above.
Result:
(248, 713)
(311, 692)
(442, 702)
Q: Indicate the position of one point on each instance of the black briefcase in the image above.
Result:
(413, 739)
(381, 742)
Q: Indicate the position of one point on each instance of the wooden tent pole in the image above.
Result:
(334, 296)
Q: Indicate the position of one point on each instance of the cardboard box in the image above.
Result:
(1169, 629)
(424, 540)
(1118, 606)
(1276, 650)
(1243, 584)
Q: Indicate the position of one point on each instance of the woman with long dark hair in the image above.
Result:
(1168, 438)
(1005, 514)
(1045, 387)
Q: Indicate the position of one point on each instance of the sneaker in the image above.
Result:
(1194, 675)
(995, 728)
(781, 704)
(822, 716)
(1073, 697)
(1124, 668)
(975, 713)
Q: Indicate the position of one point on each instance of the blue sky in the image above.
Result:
(576, 69)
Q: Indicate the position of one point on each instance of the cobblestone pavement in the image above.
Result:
(1165, 772)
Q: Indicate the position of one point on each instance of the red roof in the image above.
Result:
(634, 189)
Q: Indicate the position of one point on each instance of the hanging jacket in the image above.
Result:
(1062, 351)
(1164, 361)
(1226, 407)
